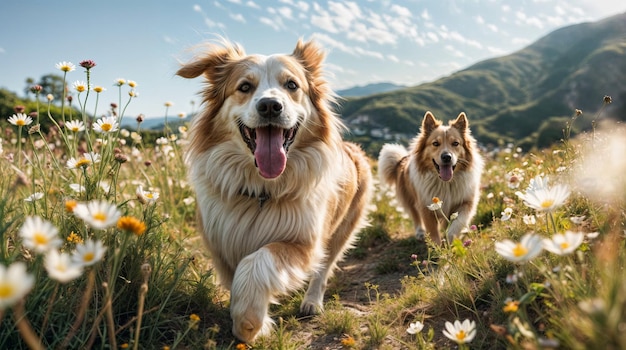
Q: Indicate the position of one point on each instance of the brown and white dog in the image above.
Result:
(444, 162)
(279, 193)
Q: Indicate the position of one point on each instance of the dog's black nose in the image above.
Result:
(269, 107)
(446, 157)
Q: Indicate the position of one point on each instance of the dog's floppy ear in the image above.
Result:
(461, 123)
(212, 62)
(429, 123)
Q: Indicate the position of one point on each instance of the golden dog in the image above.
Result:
(444, 162)
(280, 194)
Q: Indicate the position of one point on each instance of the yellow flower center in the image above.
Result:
(519, 250)
(564, 245)
(149, 195)
(547, 203)
(6, 290)
(88, 257)
(82, 162)
(106, 126)
(100, 216)
(80, 88)
(436, 200)
(461, 335)
(40, 238)
(20, 122)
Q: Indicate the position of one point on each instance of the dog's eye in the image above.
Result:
(455, 143)
(245, 87)
(436, 143)
(291, 85)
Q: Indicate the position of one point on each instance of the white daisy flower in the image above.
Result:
(39, 235)
(415, 327)
(15, 283)
(529, 247)
(34, 197)
(75, 125)
(20, 119)
(563, 244)
(541, 197)
(106, 125)
(146, 197)
(461, 333)
(61, 268)
(98, 214)
(88, 252)
(65, 66)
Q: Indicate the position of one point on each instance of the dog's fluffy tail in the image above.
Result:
(389, 162)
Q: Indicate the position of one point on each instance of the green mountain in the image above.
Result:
(525, 98)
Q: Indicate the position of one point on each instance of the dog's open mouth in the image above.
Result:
(445, 170)
(269, 144)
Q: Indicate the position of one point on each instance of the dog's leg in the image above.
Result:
(313, 302)
(431, 224)
(272, 270)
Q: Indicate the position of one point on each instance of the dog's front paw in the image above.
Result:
(311, 307)
(420, 234)
(249, 326)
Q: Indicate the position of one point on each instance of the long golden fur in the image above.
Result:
(444, 162)
(279, 193)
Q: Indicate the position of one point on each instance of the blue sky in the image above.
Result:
(405, 42)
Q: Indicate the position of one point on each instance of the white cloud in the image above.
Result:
(493, 28)
(455, 52)
(2, 50)
(285, 12)
(238, 17)
(496, 51)
(425, 15)
(432, 36)
(271, 23)
(401, 11)
(252, 4)
(479, 19)
(393, 58)
(197, 8)
(235, 1)
(166, 38)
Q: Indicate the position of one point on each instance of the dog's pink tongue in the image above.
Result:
(269, 154)
(445, 172)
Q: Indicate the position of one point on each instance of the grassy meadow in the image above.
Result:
(99, 248)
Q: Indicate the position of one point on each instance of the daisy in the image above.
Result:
(506, 214)
(88, 253)
(120, 82)
(415, 328)
(20, 119)
(80, 86)
(39, 235)
(78, 188)
(529, 247)
(529, 219)
(106, 125)
(15, 283)
(146, 197)
(84, 160)
(461, 333)
(61, 268)
(98, 89)
(98, 214)
(75, 125)
(34, 197)
(563, 244)
(541, 197)
(65, 66)
(437, 203)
